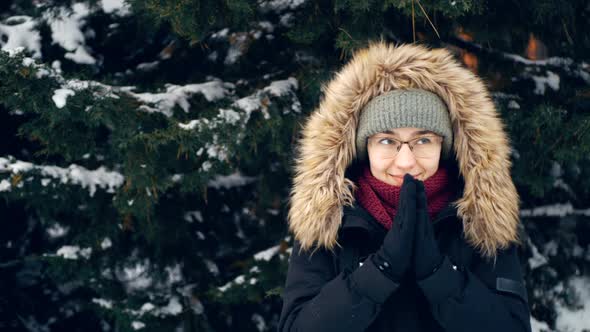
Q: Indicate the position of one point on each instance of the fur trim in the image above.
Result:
(489, 205)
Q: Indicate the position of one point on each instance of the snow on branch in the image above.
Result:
(67, 31)
(554, 210)
(230, 181)
(20, 33)
(280, 5)
(580, 70)
(74, 174)
(259, 100)
(164, 102)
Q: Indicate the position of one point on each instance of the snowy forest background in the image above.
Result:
(147, 149)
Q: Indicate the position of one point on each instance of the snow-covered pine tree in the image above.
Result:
(148, 146)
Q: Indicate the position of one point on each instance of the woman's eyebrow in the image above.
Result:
(419, 132)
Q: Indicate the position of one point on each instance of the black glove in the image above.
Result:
(427, 256)
(395, 255)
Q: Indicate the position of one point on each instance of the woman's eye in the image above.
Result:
(424, 140)
(386, 141)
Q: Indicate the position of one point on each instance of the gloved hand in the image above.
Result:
(395, 255)
(427, 256)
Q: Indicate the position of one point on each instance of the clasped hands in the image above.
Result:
(410, 247)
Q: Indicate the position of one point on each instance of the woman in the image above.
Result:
(403, 211)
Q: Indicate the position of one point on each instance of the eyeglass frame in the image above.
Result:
(409, 141)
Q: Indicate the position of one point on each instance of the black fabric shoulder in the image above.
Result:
(513, 287)
(503, 274)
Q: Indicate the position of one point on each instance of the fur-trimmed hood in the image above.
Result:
(489, 205)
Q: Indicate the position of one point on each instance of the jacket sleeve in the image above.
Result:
(315, 298)
(490, 297)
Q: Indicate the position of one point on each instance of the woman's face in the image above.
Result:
(391, 170)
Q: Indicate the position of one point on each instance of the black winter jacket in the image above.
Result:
(467, 293)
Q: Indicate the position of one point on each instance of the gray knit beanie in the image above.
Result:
(404, 108)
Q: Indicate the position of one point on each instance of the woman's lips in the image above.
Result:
(398, 179)
(401, 178)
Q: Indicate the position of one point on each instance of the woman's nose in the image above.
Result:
(405, 158)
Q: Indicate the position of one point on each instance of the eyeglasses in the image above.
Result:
(422, 147)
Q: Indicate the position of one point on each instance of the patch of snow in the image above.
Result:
(174, 274)
(283, 87)
(221, 34)
(237, 281)
(191, 216)
(280, 5)
(147, 66)
(553, 61)
(197, 306)
(575, 319)
(554, 210)
(66, 31)
(60, 96)
(266, 26)
(260, 101)
(556, 170)
(550, 248)
(541, 82)
(135, 277)
(513, 105)
(212, 267)
(230, 181)
(21, 33)
(259, 322)
(108, 304)
(56, 231)
(5, 185)
(80, 55)
(173, 308)
(537, 259)
(106, 243)
(137, 325)
(216, 151)
(120, 7)
(266, 255)
(240, 279)
(251, 103)
(191, 125)
(145, 308)
(74, 252)
(206, 166)
(539, 326)
(179, 95)
(74, 174)
(286, 20)
(237, 47)
(228, 115)
(213, 56)
(56, 65)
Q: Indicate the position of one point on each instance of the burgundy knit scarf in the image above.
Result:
(381, 199)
